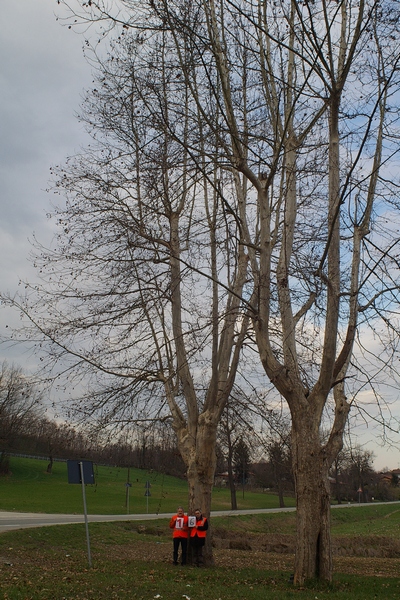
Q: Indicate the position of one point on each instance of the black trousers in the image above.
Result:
(183, 543)
(197, 545)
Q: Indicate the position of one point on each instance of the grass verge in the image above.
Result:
(51, 564)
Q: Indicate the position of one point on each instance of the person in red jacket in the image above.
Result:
(179, 523)
(198, 537)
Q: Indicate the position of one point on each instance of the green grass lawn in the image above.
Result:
(30, 489)
(382, 519)
(50, 563)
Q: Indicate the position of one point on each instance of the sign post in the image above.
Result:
(147, 494)
(128, 486)
(85, 513)
(82, 472)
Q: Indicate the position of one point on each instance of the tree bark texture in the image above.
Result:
(313, 539)
(198, 452)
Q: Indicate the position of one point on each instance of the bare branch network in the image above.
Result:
(238, 203)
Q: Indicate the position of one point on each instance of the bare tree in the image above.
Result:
(144, 284)
(247, 429)
(338, 467)
(237, 424)
(60, 440)
(309, 132)
(280, 458)
(241, 462)
(20, 410)
(359, 467)
(282, 118)
(226, 444)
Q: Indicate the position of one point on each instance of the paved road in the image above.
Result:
(15, 520)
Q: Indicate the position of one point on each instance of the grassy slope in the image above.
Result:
(379, 520)
(31, 489)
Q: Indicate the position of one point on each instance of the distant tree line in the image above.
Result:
(253, 449)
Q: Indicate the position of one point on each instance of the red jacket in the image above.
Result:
(200, 529)
(180, 526)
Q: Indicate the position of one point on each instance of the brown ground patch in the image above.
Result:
(372, 546)
(274, 561)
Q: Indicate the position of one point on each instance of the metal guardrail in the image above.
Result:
(35, 456)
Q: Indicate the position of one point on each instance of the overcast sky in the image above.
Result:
(42, 77)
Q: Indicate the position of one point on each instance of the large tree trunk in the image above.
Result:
(200, 489)
(313, 544)
(198, 452)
